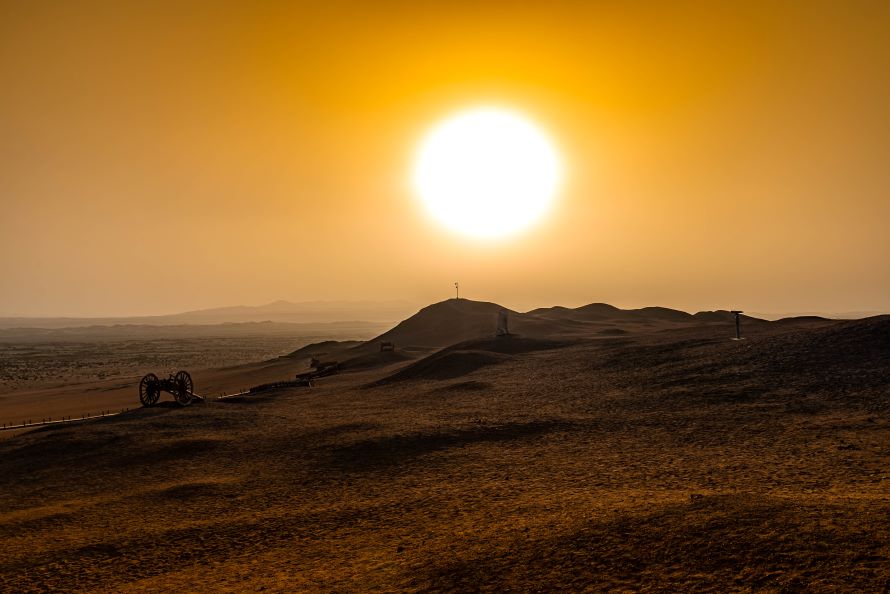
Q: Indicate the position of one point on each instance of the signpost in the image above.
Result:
(502, 330)
(738, 323)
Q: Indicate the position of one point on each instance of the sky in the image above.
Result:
(165, 156)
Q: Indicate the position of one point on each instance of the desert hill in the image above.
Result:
(666, 458)
(603, 312)
(445, 323)
(455, 321)
(322, 348)
(448, 322)
(849, 356)
(465, 357)
(435, 327)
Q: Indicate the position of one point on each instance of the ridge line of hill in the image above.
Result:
(452, 321)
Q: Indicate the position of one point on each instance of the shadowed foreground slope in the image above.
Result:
(670, 461)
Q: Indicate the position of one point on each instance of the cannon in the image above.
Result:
(179, 385)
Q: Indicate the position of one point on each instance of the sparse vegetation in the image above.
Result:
(660, 461)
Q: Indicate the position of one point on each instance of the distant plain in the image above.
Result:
(38, 358)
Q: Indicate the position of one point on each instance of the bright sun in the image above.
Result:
(487, 172)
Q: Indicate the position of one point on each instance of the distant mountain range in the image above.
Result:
(307, 312)
(324, 312)
(844, 315)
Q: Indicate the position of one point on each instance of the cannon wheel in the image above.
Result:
(148, 390)
(184, 387)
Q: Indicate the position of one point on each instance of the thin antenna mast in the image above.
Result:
(457, 290)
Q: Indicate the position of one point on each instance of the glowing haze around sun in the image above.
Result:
(487, 172)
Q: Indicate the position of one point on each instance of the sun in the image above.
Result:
(487, 172)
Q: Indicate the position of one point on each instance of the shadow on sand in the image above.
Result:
(718, 535)
(387, 451)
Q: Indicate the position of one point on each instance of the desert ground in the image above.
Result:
(594, 449)
(56, 372)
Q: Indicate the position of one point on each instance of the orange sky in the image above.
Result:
(163, 156)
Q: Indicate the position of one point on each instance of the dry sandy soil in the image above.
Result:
(631, 457)
(39, 358)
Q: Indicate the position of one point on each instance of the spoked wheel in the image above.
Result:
(184, 387)
(149, 391)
